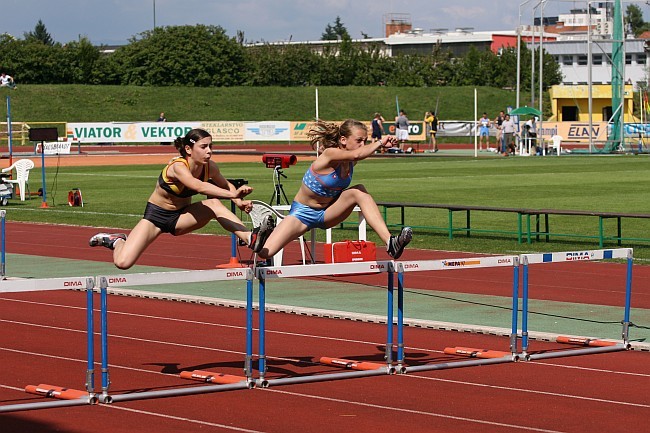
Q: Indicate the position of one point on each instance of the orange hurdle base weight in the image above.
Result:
(55, 392)
(592, 342)
(212, 377)
(475, 353)
(353, 365)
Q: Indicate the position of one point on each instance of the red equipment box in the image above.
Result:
(350, 251)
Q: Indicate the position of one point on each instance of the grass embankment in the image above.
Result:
(78, 103)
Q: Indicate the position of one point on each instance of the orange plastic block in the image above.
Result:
(209, 376)
(53, 391)
(353, 365)
(585, 341)
(475, 353)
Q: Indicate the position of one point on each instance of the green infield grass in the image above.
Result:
(115, 196)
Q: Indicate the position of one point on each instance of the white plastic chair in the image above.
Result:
(259, 211)
(557, 143)
(22, 167)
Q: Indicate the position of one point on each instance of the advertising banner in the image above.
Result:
(299, 131)
(416, 130)
(55, 147)
(267, 131)
(225, 130)
(128, 132)
(574, 131)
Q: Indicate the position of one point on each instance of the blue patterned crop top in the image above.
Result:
(327, 185)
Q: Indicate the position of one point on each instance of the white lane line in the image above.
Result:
(528, 391)
(412, 411)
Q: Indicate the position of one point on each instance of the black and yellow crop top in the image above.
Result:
(176, 188)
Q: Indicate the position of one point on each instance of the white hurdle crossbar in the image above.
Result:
(572, 256)
(176, 277)
(277, 272)
(47, 284)
(448, 265)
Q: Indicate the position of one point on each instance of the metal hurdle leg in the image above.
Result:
(628, 300)
(515, 306)
(400, 321)
(248, 361)
(524, 310)
(389, 320)
(90, 329)
(261, 361)
(103, 290)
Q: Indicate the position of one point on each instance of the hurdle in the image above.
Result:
(360, 369)
(159, 278)
(479, 356)
(64, 397)
(591, 345)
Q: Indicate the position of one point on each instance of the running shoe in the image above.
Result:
(106, 240)
(396, 244)
(261, 234)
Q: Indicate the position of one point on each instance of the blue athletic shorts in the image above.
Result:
(485, 131)
(312, 218)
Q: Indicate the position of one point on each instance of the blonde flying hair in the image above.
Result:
(323, 134)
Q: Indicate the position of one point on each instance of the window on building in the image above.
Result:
(597, 59)
(567, 60)
(582, 60)
(569, 114)
(641, 59)
(628, 59)
(607, 113)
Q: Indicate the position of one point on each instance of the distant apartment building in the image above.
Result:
(573, 43)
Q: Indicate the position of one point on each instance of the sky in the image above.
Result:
(114, 22)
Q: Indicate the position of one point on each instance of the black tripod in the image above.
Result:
(278, 191)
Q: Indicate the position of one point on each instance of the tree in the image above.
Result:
(200, 56)
(634, 18)
(40, 34)
(335, 32)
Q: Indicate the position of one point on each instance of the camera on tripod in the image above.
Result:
(278, 161)
(273, 160)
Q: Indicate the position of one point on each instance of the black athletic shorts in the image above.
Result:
(164, 219)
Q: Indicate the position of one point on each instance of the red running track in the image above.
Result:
(151, 341)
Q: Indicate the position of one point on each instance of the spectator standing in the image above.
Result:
(498, 121)
(484, 124)
(531, 126)
(402, 128)
(7, 81)
(162, 118)
(431, 122)
(508, 128)
(377, 127)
